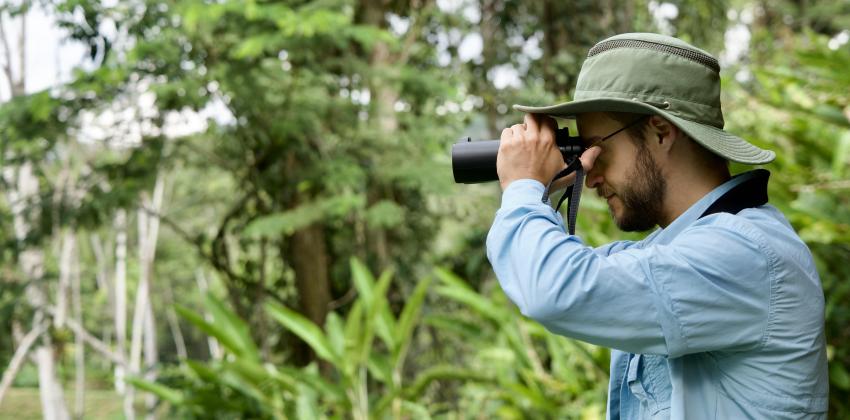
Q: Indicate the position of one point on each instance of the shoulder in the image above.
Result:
(727, 235)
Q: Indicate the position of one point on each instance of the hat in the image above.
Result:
(654, 74)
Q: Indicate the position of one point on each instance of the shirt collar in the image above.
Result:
(665, 235)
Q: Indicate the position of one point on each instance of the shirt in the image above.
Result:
(719, 316)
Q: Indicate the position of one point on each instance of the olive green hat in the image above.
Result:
(660, 75)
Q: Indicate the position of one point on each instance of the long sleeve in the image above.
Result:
(688, 296)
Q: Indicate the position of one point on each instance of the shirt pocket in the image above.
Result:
(649, 381)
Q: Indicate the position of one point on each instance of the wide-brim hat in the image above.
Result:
(657, 75)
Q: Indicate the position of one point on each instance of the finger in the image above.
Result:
(563, 182)
(548, 128)
(518, 132)
(588, 158)
(531, 123)
(506, 134)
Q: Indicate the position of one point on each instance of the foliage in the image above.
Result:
(513, 368)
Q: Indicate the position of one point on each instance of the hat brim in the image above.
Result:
(713, 138)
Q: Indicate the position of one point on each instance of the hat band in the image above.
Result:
(695, 56)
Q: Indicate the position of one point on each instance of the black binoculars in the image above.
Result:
(475, 161)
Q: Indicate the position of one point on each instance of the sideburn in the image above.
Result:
(644, 196)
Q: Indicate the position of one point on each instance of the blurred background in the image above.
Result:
(245, 209)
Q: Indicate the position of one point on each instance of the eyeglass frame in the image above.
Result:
(625, 127)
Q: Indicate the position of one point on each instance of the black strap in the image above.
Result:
(748, 194)
(573, 193)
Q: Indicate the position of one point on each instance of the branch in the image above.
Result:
(7, 66)
(413, 32)
(19, 357)
(91, 340)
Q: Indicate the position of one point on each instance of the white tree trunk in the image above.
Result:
(143, 321)
(120, 297)
(151, 359)
(68, 242)
(20, 356)
(22, 195)
(105, 284)
(52, 397)
(79, 344)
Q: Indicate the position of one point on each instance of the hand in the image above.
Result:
(528, 151)
(588, 158)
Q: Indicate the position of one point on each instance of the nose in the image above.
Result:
(588, 161)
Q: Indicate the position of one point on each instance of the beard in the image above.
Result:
(643, 195)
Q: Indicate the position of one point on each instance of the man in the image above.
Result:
(718, 314)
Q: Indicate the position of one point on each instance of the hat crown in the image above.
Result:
(655, 69)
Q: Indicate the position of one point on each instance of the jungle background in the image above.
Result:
(245, 209)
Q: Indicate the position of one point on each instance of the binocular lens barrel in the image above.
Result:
(475, 161)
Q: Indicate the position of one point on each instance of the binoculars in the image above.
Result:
(475, 161)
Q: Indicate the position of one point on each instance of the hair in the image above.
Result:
(637, 134)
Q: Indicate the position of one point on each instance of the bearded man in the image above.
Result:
(718, 313)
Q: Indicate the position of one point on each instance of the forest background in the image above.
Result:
(245, 209)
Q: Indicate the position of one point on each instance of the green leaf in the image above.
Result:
(363, 281)
(838, 376)
(218, 331)
(304, 329)
(408, 317)
(384, 321)
(380, 368)
(454, 289)
(287, 222)
(334, 332)
(233, 325)
(353, 334)
(173, 396)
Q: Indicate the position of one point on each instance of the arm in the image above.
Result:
(673, 299)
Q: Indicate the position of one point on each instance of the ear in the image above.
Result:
(662, 133)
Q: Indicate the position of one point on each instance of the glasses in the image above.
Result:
(627, 126)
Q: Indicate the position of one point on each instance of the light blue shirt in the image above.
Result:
(719, 317)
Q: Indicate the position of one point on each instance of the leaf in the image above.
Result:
(217, 331)
(363, 281)
(456, 290)
(380, 368)
(408, 317)
(334, 332)
(173, 396)
(304, 329)
(234, 326)
(287, 222)
(385, 214)
(838, 376)
(378, 317)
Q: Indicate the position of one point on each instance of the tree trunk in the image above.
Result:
(50, 390)
(310, 261)
(143, 320)
(120, 297)
(79, 345)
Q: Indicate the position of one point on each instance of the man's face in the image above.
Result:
(624, 173)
